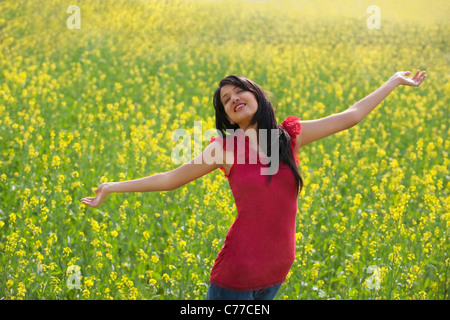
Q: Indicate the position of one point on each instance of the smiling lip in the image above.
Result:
(240, 104)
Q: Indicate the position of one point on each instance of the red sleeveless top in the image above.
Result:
(259, 247)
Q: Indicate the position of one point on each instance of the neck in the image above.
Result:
(251, 132)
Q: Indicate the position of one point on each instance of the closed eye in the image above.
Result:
(228, 99)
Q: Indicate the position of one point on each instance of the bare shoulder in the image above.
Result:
(223, 157)
(211, 158)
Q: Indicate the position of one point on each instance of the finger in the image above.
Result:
(90, 203)
(422, 77)
(418, 81)
(87, 200)
(417, 73)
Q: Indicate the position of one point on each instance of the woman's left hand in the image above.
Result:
(415, 81)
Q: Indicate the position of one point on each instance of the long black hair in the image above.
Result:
(264, 118)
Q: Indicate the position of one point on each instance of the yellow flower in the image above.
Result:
(52, 238)
(12, 217)
(68, 199)
(56, 161)
(66, 252)
(152, 282)
(182, 244)
(88, 282)
(113, 275)
(154, 259)
(9, 284)
(143, 255)
(86, 294)
(21, 290)
(308, 249)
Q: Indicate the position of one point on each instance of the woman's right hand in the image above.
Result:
(102, 192)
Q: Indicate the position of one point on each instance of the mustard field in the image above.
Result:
(93, 95)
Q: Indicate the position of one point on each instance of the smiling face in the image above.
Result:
(240, 105)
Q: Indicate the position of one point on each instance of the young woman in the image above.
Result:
(259, 247)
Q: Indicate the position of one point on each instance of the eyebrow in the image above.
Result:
(228, 92)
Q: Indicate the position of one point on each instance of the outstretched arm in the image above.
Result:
(164, 181)
(313, 130)
(366, 105)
